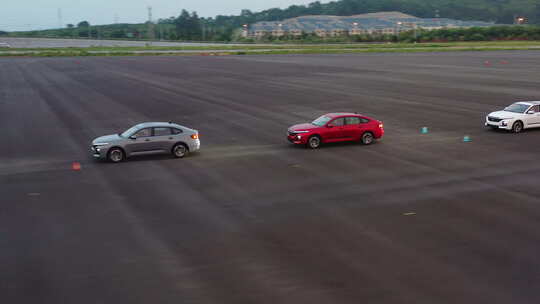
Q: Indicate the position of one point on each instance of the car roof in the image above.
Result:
(530, 103)
(157, 124)
(333, 115)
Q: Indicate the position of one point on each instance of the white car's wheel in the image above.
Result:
(517, 127)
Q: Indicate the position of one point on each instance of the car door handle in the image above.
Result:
(170, 138)
(147, 140)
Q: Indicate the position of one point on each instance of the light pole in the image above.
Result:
(398, 27)
(245, 28)
(355, 28)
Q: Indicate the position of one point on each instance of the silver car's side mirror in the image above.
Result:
(133, 137)
(530, 112)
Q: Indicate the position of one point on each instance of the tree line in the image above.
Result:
(225, 28)
(190, 27)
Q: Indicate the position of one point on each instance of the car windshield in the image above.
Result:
(130, 132)
(321, 121)
(517, 108)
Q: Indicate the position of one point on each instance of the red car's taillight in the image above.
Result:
(381, 126)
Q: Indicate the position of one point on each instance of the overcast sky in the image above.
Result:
(39, 14)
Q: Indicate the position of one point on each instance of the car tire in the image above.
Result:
(517, 127)
(180, 151)
(116, 155)
(367, 138)
(314, 142)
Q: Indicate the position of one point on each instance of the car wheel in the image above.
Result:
(367, 138)
(116, 155)
(180, 150)
(517, 127)
(314, 142)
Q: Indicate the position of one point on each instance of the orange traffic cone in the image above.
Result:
(76, 166)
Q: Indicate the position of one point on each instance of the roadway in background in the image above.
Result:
(82, 43)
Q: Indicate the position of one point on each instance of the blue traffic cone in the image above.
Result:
(467, 138)
(424, 130)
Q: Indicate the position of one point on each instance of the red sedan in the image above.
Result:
(336, 127)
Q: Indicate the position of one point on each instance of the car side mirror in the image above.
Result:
(329, 126)
(530, 112)
(133, 137)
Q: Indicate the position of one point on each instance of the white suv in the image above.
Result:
(516, 117)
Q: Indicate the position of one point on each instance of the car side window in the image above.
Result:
(338, 122)
(176, 131)
(364, 120)
(352, 120)
(535, 109)
(162, 131)
(143, 133)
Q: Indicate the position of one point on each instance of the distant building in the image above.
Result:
(383, 23)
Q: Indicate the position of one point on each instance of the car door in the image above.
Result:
(140, 141)
(533, 120)
(354, 128)
(335, 130)
(163, 138)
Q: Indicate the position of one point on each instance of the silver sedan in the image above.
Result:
(147, 138)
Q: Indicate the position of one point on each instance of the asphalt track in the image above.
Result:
(414, 218)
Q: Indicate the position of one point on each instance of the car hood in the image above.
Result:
(503, 114)
(303, 127)
(107, 139)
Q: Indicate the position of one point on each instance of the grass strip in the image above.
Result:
(290, 46)
(84, 53)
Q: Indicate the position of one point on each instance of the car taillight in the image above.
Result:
(195, 136)
(381, 125)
